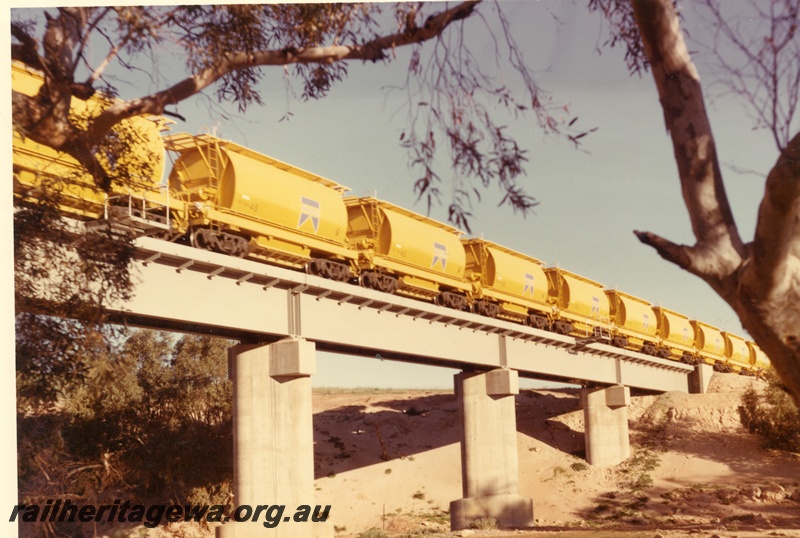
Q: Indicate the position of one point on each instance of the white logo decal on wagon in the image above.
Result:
(439, 254)
(528, 284)
(309, 210)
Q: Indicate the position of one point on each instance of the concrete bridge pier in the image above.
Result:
(489, 460)
(605, 416)
(273, 442)
(700, 378)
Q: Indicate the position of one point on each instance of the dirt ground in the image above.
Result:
(391, 461)
(388, 463)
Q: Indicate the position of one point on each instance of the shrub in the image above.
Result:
(134, 426)
(773, 416)
(141, 415)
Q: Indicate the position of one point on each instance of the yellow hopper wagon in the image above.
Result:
(676, 335)
(635, 323)
(709, 343)
(581, 305)
(243, 203)
(737, 353)
(136, 195)
(758, 359)
(507, 284)
(407, 253)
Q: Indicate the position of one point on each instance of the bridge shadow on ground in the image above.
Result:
(706, 431)
(694, 464)
(354, 430)
(717, 479)
(552, 417)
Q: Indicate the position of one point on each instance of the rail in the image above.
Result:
(254, 301)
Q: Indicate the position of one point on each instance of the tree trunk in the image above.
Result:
(760, 280)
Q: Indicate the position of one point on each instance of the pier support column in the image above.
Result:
(489, 460)
(273, 446)
(605, 416)
(700, 378)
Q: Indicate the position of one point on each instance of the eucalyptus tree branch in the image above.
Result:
(776, 247)
(26, 51)
(719, 249)
(373, 50)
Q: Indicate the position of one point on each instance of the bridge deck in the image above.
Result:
(198, 291)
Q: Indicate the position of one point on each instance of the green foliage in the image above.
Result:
(644, 460)
(144, 412)
(636, 470)
(62, 281)
(643, 481)
(557, 471)
(440, 517)
(619, 506)
(773, 416)
(210, 30)
(458, 104)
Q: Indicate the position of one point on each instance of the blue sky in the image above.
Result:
(622, 178)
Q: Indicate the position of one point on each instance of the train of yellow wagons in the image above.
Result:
(230, 199)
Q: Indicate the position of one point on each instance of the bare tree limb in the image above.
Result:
(762, 70)
(760, 281)
(679, 90)
(677, 254)
(27, 49)
(776, 247)
(373, 50)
